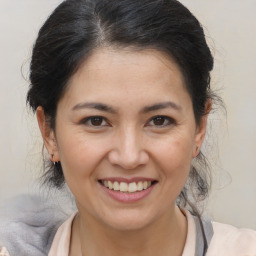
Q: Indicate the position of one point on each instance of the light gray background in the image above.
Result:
(230, 28)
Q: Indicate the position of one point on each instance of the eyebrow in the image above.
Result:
(94, 105)
(161, 105)
(106, 108)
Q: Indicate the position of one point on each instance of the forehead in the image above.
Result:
(127, 76)
(148, 61)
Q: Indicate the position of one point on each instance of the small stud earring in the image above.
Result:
(52, 158)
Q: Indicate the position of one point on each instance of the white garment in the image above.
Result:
(230, 241)
(226, 241)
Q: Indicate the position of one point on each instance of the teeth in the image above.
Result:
(145, 184)
(110, 185)
(132, 187)
(127, 187)
(140, 186)
(116, 186)
(123, 187)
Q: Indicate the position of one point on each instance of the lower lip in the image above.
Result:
(128, 197)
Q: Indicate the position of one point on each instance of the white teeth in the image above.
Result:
(132, 187)
(110, 185)
(140, 186)
(116, 186)
(123, 187)
(127, 187)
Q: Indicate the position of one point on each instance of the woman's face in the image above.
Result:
(126, 121)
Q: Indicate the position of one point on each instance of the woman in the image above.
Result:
(121, 91)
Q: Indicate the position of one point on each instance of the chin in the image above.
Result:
(130, 220)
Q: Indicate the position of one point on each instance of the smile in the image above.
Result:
(131, 187)
(127, 190)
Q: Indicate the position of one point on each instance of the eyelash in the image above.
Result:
(86, 121)
(167, 121)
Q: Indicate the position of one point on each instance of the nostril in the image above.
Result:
(127, 151)
(128, 160)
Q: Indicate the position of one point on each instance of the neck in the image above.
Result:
(165, 236)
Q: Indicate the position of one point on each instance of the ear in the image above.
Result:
(201, 129)
(48, 135)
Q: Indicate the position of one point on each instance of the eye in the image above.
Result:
(161, 121)
(96, 121)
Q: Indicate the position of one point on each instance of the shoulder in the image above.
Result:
(28, 225)
(229, 240)
(61, 242)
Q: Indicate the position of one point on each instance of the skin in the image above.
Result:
(128, 142)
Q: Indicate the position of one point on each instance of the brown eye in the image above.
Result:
(161, 121)
(95, 121)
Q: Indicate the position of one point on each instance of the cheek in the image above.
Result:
(175, 155)
(80, 155)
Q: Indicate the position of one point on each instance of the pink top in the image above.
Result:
(226, 241)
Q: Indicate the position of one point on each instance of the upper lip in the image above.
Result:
(127, 180)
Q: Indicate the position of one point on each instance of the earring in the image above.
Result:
(52, 158)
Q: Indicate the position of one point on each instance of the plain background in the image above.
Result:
(230, 27)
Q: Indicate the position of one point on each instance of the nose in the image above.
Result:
(127, 150)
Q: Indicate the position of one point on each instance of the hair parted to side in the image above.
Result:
(78, 27)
